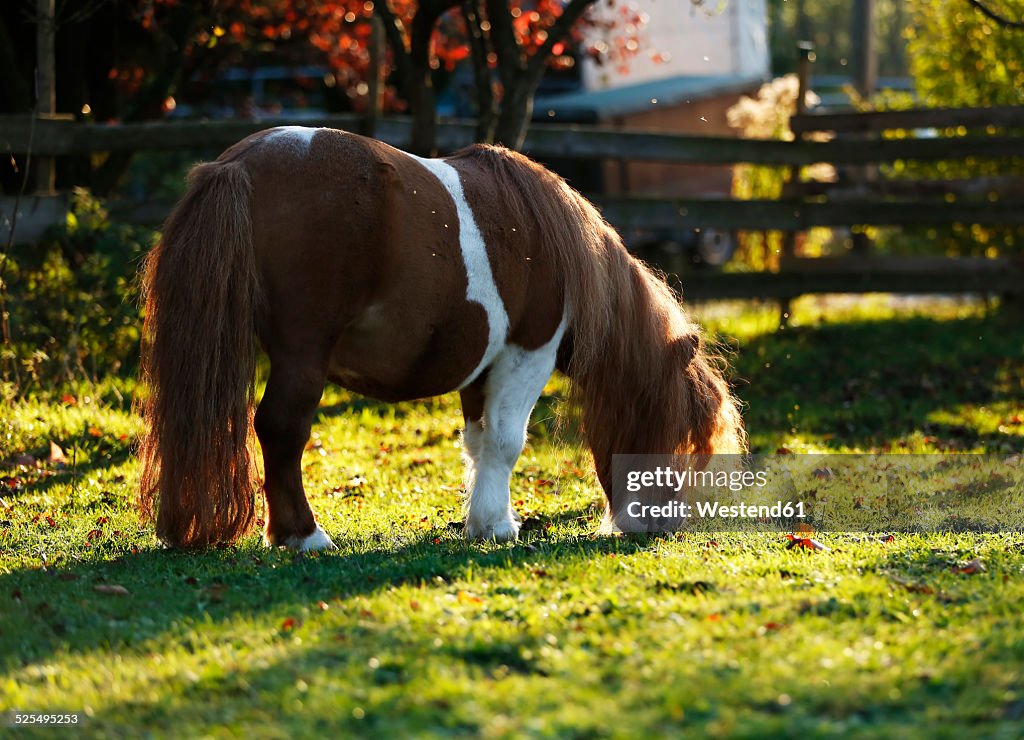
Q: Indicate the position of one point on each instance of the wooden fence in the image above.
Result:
(962, 135)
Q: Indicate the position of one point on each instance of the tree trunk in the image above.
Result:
(486, 114)
(516, 112)
(521, 74)
(424, 107)
(424, 116)
(424, 104)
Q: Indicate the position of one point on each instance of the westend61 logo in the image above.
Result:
(853, 493)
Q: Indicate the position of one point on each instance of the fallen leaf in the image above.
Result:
(823, 473)
(215, 591)
(913, 586)
(971, 568)
(56, 453)
(465, 597)
(111, 589)
(805, 542)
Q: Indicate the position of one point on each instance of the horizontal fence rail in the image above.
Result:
(1006, 116)
(856, 275)
(62, 137)
(797, 215)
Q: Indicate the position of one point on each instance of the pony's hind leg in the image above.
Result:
(494, 441)
(283, 421)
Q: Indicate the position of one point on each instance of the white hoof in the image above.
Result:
(316, 541)
(504, 530)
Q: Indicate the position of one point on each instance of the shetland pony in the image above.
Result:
(397, 277)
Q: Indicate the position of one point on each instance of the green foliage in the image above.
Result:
(958, 57)
(828, 24)
(73, 301)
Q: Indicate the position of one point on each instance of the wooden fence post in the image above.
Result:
(865, 81)
(805, 50)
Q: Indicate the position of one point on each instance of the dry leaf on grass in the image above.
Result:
(111, 589)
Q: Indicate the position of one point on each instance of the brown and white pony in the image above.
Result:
(397, 277)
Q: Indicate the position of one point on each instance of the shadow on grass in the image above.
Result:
(66, 608)
(395, 663)
(24, 481)
(871, 383)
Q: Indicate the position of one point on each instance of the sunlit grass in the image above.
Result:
(408, 629)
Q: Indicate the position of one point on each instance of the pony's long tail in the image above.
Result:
(198, 364)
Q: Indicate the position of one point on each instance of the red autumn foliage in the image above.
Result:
(340, 30)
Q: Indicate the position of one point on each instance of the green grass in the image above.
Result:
(408, 629)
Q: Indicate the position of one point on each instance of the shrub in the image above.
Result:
(73, 302)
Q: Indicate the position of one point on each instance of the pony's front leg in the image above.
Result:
(283, 421)
(494, 441)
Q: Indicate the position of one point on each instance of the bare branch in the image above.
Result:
(991, 14)
(395, 33)
(557, 33)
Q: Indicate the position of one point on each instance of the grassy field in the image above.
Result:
(408, 629)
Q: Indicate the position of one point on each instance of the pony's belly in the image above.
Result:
(386, 390)
(408, 358)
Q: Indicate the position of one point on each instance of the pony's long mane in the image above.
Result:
(646, 381)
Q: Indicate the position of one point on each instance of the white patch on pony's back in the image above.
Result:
(297, 138)
(514, 383)
(480, 287)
